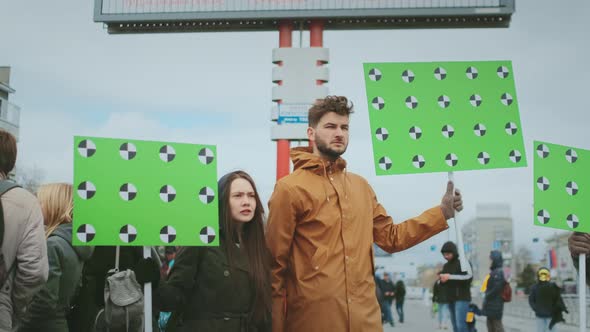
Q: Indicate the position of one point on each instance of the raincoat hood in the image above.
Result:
(65, 232)
(496, 258)
(304, 158)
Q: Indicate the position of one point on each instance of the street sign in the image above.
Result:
(293, 113)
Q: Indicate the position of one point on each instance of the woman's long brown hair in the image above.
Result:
(252, 241)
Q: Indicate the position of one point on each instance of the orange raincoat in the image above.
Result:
(321, 227)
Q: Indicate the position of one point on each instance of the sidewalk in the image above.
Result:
(418, 318)
(520, 324)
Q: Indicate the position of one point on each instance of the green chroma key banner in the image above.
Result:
(144, 193)
(562, 187)
(443, 116)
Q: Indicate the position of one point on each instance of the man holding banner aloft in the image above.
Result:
(322, 223)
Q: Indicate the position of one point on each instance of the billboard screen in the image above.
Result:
(135, 16)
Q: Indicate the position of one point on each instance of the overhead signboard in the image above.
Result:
(143, 16)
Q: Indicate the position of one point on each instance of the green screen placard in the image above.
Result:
(562, 187)
(144, 193)
(443, 116)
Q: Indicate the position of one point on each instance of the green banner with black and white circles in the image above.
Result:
(144, 193)
(443, 116)
(562, 187)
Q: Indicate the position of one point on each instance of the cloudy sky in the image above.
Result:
(72, 78)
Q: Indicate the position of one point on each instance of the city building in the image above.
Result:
(491, 229)
(9, 113)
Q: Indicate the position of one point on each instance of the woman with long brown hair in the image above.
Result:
(225, 288)
(50, 307)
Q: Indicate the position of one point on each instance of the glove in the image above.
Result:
(579, 243)
(147, 270)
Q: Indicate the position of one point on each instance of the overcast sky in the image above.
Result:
(72, 78)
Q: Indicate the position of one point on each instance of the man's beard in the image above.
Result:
(325, 149)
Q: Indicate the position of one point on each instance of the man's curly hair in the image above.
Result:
(337, 104)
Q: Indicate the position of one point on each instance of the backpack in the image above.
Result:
(507, 292)
(123, 300)
(5, 186)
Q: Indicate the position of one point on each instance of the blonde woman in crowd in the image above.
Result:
(50, 307)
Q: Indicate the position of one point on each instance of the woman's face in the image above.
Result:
(242, 200)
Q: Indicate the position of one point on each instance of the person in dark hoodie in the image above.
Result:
(493, 304)
(457, 285)
(50, 307)
(545, 300)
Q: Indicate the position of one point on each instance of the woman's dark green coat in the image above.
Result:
(50, 307)
(205, 294)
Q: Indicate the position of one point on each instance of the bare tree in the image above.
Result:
(29, 177)
(524, 256)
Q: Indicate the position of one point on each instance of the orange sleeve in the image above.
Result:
(397, 237)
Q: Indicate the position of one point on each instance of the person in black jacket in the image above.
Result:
(439, 296)
(380, 297)
(388, 289)
(457, 285)
(400, 296)
(493, 304)
(225, 288)
(545, 299)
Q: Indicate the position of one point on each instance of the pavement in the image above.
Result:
(418, 318)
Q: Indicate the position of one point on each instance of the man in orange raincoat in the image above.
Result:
(323, 221)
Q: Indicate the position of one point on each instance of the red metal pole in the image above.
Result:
(283, 146)
(316, 31)
(316, 38)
